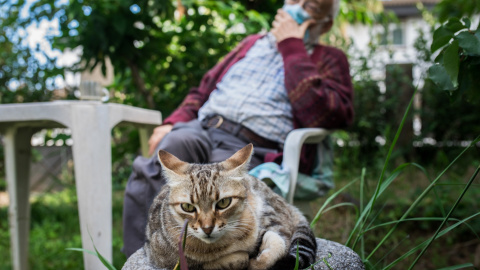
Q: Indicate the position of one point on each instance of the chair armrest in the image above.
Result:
(291, 151)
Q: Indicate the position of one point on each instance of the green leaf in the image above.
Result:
(469, 42)
(439, 58)
(467, 22)
(439, 76)
(454, 25)
(451, 61)
(441, 37)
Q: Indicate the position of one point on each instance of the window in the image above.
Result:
(394, 34)
(397, 36)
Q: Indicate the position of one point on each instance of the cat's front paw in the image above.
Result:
(238, 260)
(272, 249)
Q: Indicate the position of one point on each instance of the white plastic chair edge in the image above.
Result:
(291, 151)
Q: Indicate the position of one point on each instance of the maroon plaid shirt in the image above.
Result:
(319, 87)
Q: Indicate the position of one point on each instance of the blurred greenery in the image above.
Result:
(447, 9)
(55, 227)
(159, 55)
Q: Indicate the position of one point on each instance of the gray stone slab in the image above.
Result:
(330, 255)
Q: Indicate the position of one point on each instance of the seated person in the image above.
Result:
(267, 86)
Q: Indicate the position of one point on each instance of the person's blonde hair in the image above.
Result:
(335, 9)
(318, 30)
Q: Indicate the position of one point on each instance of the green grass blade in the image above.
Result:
(420, 198)
(184, 232)
(420, 219)
(412, 219)
(362, 190)
(104, 261)
(83, 250)
(438, 201)
(362, 183)
(342, 205)
(324, 260)
(390, 150)
(405, 220)
(376, 216)
(456, 184)
(447, 217)
(327, 201)
(363, 215)
(96, 254)
(297, 259)
(415, 249)
(460, 266)
(369, 265)
(181, 247)
(391, 250)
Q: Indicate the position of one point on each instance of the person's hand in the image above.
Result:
(158, 134)
(284, 26)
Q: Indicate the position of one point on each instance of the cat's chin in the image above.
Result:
(209, 240)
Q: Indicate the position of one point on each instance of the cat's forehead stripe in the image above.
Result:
(203, 179)
(192, 179)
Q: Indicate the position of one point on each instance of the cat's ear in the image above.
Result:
(171, 164)
(240, 160)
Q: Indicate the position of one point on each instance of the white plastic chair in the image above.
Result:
(291, 159)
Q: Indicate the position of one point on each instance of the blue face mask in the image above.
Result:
(297, 12)
(299, 15)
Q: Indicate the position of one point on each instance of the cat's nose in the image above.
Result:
(207, 230)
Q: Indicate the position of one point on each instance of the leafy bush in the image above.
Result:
(458, 64)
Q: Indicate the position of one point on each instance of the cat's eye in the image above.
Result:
(224, 203)
(187, 207)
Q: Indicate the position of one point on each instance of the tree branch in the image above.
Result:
(140, 84)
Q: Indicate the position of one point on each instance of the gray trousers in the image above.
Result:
(190, 142)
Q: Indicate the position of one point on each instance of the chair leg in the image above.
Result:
(17, 159)
(93, 166)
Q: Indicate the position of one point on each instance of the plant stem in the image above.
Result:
(362, 182)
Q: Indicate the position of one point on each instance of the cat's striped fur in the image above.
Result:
(235, 220)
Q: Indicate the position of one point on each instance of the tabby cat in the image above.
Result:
(235, 221)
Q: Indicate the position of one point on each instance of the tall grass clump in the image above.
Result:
(367, 214)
